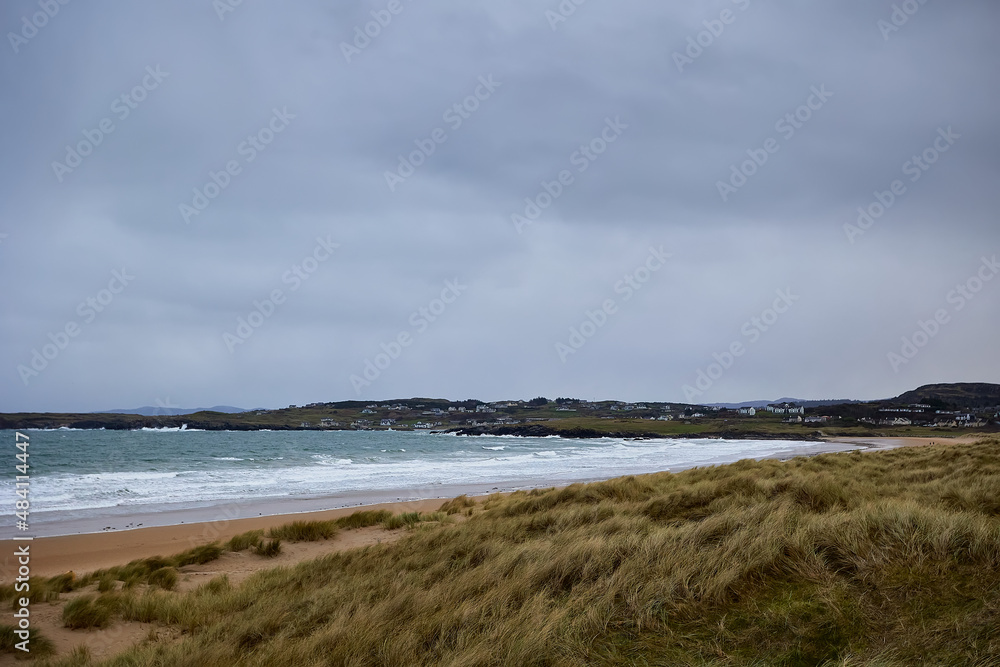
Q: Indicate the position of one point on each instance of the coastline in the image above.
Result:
(87, 551)
(119, 518)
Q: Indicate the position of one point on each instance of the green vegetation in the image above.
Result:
(164, 577)
(405, 520)
(39, 644)
(887, 558)
(245, 541)
(305, 531)
(87, 611)
(206, 553)
(268, 549)
(363, 519)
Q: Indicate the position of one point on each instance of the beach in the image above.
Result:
(87, 552)
(98, 549)
(93, 551)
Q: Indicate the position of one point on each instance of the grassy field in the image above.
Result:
(884, 558)
(761, 425)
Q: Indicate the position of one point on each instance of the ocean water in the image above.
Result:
(78, 474)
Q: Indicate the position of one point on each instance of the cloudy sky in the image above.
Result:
(260, 204)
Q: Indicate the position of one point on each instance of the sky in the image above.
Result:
(260, 203)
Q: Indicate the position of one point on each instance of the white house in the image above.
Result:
(786, 409)
(748, 411)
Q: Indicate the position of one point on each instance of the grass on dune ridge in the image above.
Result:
(887, 558)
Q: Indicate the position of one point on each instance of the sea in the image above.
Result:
(94, 480)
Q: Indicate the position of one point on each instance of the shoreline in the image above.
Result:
(117, 519)
(88, 551)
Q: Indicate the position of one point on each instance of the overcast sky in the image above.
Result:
(647, 111)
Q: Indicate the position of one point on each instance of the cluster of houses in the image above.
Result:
(777, 409)
(485, 414)
(922, 415)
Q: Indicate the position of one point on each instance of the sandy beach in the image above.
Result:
(93, 551)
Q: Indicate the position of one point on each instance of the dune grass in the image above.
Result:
(160, 571)
(39, 644)
(363, 519)
(887, 558)
(268, 549)
(245, 541)
(87, 611)
(305, 531)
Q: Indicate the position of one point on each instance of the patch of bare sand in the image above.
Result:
(240, 565)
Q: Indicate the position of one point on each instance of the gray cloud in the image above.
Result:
(323, 176)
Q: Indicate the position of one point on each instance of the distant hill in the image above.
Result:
(151, 411)
(956, 394)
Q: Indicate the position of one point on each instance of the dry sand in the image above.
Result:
(94, 551)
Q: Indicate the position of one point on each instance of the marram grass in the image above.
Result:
(886, 558)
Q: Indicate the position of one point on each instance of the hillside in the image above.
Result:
(960, 395)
